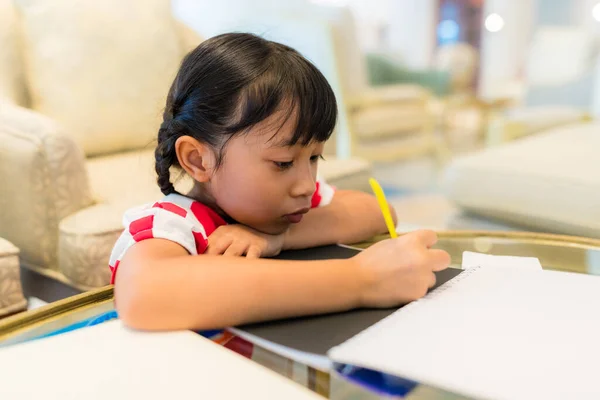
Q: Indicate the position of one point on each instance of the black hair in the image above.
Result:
(230, 83)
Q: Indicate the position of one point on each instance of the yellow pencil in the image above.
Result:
(383, 204)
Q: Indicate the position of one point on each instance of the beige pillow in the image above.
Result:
(12, 84)
(101, 68)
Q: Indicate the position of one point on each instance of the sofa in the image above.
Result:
(546, 182)
(11, 291)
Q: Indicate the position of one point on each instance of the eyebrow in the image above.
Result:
(282, 143)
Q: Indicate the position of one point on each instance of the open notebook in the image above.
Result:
(501, 333)
(110, 361)
(308, 339)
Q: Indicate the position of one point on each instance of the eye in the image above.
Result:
(283, 165)
(316, 158)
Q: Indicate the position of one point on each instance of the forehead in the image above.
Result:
(276, 131)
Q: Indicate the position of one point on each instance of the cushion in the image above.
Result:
(398, 93)
(390, 119)
(101, 68)
(11, 293)
(389, 111)
(546, 182)
(12, 82)
(393, 148)
(136, 183)
(86, 240)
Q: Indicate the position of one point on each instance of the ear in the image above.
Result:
(197, 159)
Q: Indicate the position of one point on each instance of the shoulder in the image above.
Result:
(323, 194)
(175, 207)
(176, 218)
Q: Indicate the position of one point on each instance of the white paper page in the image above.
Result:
(500, 333)
(471, 259)
(109, 361)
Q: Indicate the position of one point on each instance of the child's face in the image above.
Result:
(264, 183)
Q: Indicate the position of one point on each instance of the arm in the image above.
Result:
(351, 217)
(160, 286)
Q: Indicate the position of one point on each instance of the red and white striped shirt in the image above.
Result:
(181, 220)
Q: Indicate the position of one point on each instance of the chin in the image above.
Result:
(272, 228)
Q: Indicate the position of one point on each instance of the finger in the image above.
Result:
(426, 237)
(432, 280)
(218, 245)
(253, 252)
(236, 249)
(439, 259)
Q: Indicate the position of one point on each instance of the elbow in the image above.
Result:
(134, 300)
(138, 315)
(133, 316)
(143, 302)
(133, 307)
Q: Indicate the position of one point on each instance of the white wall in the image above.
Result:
(413, 30)
(586, 20)
(503, 54)
(583, 15)
(211, 17)
(371, 18)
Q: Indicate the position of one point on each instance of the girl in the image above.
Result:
(247, 119)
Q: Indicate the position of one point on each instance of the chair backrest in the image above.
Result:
(352, 63)
(461, 61)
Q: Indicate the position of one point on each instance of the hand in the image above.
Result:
(397, 271)
(239, 240)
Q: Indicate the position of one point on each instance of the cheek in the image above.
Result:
(248, 193)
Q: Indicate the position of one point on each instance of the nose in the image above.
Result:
(305, 184)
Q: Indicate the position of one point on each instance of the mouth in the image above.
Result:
(297, 215)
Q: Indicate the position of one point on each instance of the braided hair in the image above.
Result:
(165, 156)
(230, 83)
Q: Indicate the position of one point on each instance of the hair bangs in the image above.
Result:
(294, 88)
